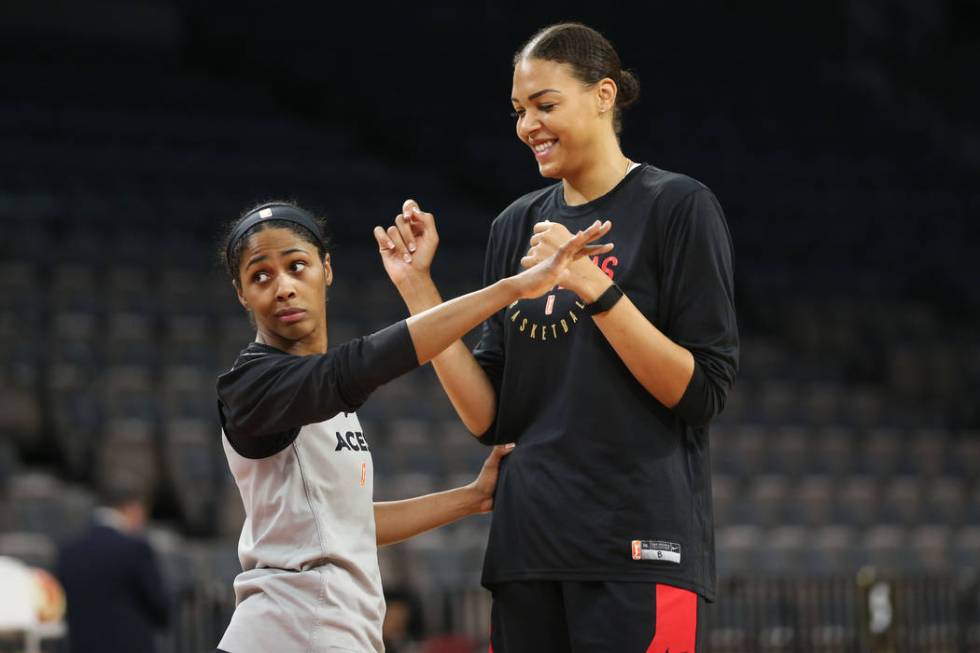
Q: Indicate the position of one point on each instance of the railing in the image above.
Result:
(863, 614)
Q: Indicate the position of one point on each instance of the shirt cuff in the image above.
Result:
(692, 407)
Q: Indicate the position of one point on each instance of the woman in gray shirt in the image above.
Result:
(308, 548)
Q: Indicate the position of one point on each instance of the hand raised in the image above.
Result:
(408, 246)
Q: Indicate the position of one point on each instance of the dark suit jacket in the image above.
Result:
(114, 592)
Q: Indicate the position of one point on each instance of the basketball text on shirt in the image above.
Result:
(552, 316)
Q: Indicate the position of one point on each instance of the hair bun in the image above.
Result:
(629, 89)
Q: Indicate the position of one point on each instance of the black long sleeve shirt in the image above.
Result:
(606, 482)
(266, 397)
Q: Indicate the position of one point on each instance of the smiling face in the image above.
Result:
(561, 119)
(283, 282)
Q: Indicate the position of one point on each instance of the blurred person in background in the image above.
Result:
(296, 449)
(602, 537)
(115, 595)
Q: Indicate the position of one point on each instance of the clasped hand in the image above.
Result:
(582, 276)
(556, 256)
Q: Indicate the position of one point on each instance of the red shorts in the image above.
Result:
(593, 617)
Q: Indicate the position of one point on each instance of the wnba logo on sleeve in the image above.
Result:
(656, 551)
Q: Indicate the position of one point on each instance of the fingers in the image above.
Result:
(398, 249)
(384, 243)
(415, 216)
(418, 221)
(542, 226)
(409, 206)
(577, 241)
(574, 247)
(422, 222)
(501, 450)
(406, 231)
(597, 230)
(595, 250)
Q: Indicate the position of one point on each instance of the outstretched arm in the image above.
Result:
(435, 329)
(396, 521)
(269, 394)
(407, 249)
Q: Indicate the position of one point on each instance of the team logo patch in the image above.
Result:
(656, 551)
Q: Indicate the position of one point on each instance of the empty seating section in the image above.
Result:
(851, 437)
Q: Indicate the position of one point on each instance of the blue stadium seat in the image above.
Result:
(964, 459)
(902, 500)
(925, 453)
(833, 551)
(813, 504)
(20, 407)
(834, 452)
(886, 546)
(188, 391)
(857, 502)
(190, 450)
(966, 549)
(785, 550)
(414, 443)
(881, 452)
(129, 446)
(724, 496)
(748, 449)
(789, 453)
(768, 500)
(34, 549)
(822, 404)
(931, 549)
(738, 548)
(42, 504)
(946, 499)
(779, 403)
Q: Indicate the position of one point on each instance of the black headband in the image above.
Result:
(283, 212)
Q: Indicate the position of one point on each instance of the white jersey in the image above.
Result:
(310, 579)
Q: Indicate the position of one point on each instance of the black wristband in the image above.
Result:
(605, 301)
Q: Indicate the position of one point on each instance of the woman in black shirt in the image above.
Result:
(602, 536)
